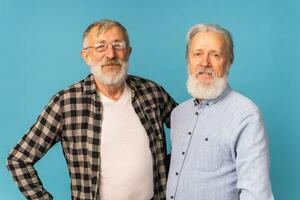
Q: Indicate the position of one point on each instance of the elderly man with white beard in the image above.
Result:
(219, 143)
(110, 125)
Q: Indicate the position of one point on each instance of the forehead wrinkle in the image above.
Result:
(217, 44)
(103, 29)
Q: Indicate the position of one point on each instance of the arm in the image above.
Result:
(167, 106)
(252, 159)
(38, 140)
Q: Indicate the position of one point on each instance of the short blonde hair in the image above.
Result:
(102, 26)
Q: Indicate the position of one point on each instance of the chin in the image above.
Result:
(206, 89)
(205, 82)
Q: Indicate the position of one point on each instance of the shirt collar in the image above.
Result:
(134, 88)
(212, 101)
(89, 85)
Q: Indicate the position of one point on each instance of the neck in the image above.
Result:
(113, 92)
(199, 100)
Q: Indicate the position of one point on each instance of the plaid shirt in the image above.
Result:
(74, 117)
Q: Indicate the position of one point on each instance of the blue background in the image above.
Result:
(40, 42)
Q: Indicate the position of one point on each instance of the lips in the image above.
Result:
(111, 65)
(205, 73)
(113, 62)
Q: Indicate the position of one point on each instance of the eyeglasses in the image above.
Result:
(101, 47)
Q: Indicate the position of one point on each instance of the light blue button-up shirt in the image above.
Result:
(219, 150)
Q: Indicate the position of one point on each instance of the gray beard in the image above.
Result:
(200, 90)
(110, 79)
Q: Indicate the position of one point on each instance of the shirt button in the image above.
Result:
(176, 173)
(189, 133)
(172, 197)
(196, 113)
(183, 153)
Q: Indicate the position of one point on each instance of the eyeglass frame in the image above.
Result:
(105, 47)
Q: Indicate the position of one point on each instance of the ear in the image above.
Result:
(227, 68)
(85, 56)
(128, 52)
(187, 59)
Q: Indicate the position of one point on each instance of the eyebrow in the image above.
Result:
(196, 50)
(104, 41)
(212, 50)
(215, 51)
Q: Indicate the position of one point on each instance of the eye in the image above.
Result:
(197, 54)
(100, 47)
(119, 45)
(215, 56)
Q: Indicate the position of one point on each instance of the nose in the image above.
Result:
(110, 52)
(205, 60)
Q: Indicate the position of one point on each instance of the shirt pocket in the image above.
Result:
(207, 154)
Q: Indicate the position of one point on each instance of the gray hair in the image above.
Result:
(102, 26)
(211, 28)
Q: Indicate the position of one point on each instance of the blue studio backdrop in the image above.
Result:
(40, 43)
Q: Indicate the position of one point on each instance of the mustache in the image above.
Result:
(110, 62)
(204, 70)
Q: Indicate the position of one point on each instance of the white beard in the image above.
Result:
(201, 90)
(113, 78)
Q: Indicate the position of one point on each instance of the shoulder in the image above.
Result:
(73, 91)
(74, 88)
(241, 102)
(183, 107)
(238, 107)
(145, 86)
(143, 82)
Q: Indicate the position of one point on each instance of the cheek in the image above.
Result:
(220, 69)
(192, 66)
(92, 60)
(191, 69)
(89, 61)
(123, 56)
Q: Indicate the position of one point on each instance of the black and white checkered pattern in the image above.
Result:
(74, 117)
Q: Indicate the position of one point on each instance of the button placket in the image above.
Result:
(184, 150)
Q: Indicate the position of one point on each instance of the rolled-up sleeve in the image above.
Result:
(35, 143)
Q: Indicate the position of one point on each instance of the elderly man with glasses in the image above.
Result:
(110, 126)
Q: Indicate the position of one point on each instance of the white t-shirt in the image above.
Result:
(126, 160)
